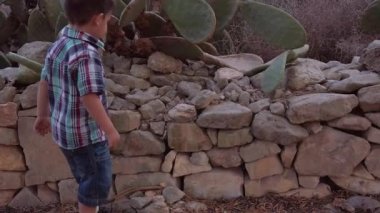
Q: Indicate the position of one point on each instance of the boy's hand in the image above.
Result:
(113, 139)
(42, 125)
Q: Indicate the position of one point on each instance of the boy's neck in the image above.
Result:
(86, 29)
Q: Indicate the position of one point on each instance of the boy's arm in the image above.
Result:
(43, 99)
(96, 110)
(42, 123)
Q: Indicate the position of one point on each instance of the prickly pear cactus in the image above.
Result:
(274, 25)
(224, 11)
(52, 9)
(194, 19)
(131, 12)
(371, 18)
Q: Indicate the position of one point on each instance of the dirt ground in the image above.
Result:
(266, 204)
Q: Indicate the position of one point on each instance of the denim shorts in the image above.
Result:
(92, 168)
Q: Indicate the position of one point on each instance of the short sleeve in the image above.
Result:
(90, 76)
(44, 71)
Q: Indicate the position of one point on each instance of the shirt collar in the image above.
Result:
(70, 32)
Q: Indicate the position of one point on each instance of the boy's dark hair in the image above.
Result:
(80, 12)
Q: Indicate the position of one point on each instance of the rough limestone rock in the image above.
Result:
(125, 120)
(11, 180)
(362, 172)
(374, 117)
(68, 190)
(152, 109)
(320, 191)
(140, 71)
(135, 165)
(123, 182)
(203, 99)
(355, 82)
(369, 98)
(183, 166)
(259, 105)
(11, 159)
(231, 138)
(172, 194)
(162, 63)
(264, 167)
(372, 135)
(363, 203)
(276, 184)
(7, 94)
(227, 74)
(351, 122)
(277, 108)
(372, 162)
(258, 150)
(183, 113)
(8, 114)
(226, 158)
(167, 165)
(139, 143)
(8, 136)
(25, 199)
(129, 81)
(142, 97)
(6, 196)
(320, 107)
(370, 57)
(305, 72)
(227, 115)
(35, 51)
(309, 182)
(199, 158)
(44, 159)
(357, 184)
(189, 89)
(288, 155)
(46, 195)
(215, 184)
(269, 127)
(336, 152)
(28, 97)
(187, 137)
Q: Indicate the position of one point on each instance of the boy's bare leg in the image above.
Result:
(86, 209)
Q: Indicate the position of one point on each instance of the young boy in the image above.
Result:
(72, 101)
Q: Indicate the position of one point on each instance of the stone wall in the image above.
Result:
(208, 132)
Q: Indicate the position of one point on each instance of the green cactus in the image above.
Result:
(208, 48)
(131, 12)
(150, 24)
(39, 28)
(371, 18)
(194, 19)
(224, 11)
(274, 74)
(52, 9)
(118, 8)
(26, 76)
(4, 61)
(32, 65)
(61, 23)
(19, 9)
(177, 47)
(274, 25)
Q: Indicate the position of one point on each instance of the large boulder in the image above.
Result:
(44, 159)
(11, 159)
(257, 150)
(125, 120)
(187, 137)
(372, 162)
(320, 107)
(215, 184)
(231, 138)
(138, 143)
(305, 72)
(358, 185)
(226, 115)
(135, 165)
(162, 63)
(370, 57)
(351, 122)
(8, 115)
(355, 82)
(269, 127)
(369, 98)
(226, 158)
(183, 166)
(336, 153)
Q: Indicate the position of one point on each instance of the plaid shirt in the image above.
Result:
(73, 68)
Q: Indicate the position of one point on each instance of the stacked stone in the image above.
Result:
(207, 133)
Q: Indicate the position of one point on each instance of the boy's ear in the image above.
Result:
(97, 19)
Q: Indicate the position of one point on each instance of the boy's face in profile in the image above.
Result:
(99, 25)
